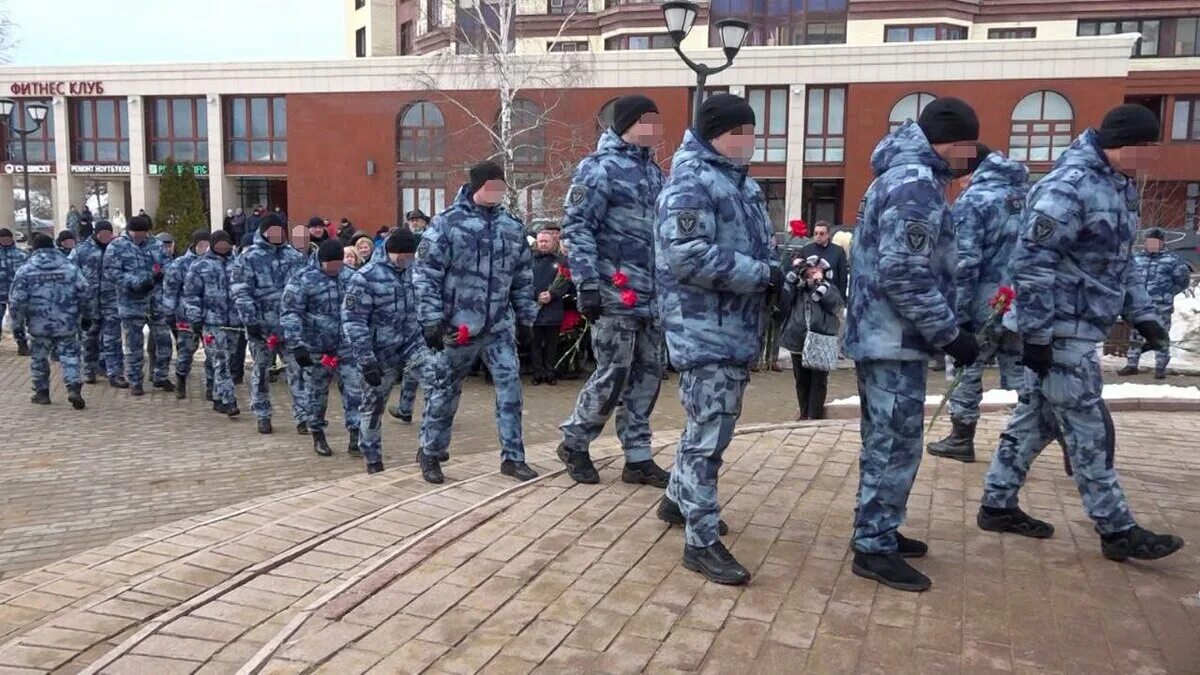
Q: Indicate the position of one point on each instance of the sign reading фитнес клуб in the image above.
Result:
(60, 88)
(117, 169)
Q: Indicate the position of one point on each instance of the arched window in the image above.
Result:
(605, 117)
(528, 133)
(421, 134)
(1041, 127)
(908, 108)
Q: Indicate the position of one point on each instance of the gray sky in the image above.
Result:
(75, 32)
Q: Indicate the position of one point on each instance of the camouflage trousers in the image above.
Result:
(260, 381)
(408, 394)
(40, 350)
(135, 349)
(1065, 405)
(103, 338)
(1161, 356)
(892, 402)
(317, 379)
(629, 371)
(17, 331)
(218, 346)
(370, 415)
(712, 400)
(186, 344)
(444, 373)
(964, 402)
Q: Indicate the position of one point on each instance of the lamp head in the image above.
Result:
(679, 16)
(733, 33)
(6, 106)
(37, 111)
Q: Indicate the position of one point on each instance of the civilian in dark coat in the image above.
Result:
(839, 266)
(549, 295)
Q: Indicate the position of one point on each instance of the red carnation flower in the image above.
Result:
(571, 319)
(799, 227)
(564, 271)
(1003, 299)
(463, 337)
(273, 341)
(620, 279)
(629, 297)
(157, 268)
(329, 361)
(183, 326)
(209, 339)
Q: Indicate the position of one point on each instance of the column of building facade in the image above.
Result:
(797, 100)
(222, 191)
(68, 189)
(144, 189)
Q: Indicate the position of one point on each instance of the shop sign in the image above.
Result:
(60, 88)
(33, 168)
(200, 170)
(100, 168)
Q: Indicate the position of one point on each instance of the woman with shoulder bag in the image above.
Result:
(811, 305)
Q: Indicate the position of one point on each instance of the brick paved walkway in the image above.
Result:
(387, 574)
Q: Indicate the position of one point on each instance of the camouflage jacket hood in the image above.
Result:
(907, 146)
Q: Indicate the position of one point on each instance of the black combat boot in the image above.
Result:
(181, 387)
(716, 563)
(352, 448)
(208, 387)
(910, 548)
(889, 569)
(264, 426)
(959, 445)
(517, 469)
(302, 428)
(41, 397)
(1139, 544)
(645, 473)
(431, 469)
(232, 410)
(164, 385)
(320, 445)
(374, 467)
(219, 407)
(668, 512)
(90, 378)
(22, 348)
(136, 389)
(1127, 371)
(394, 411)
(579, 465)
(1013, 520)
(118, 382)
(75, 396)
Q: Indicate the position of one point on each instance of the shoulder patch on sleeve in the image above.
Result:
(916, 236)
(1044, 227)
(351, 300)
(576, 194)
(289, 296)
(423, 249)
(686, 221)
(1014, 203)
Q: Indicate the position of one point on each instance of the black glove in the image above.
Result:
(589, 304)
(145, 287)
(85, 324)
(967, 327)
(525, 334)
(775, 280)
(434, 339)
(1037, 358)
(302, 356)
(1156, 336)
(372, 375)
(255, 332)
(963, 349)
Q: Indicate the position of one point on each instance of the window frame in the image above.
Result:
(1192, 128)
(360, 43)
(769, 27)
(893, 125)
(555, 45)
(405, 38)
(199, 113)
(433, 14)
(529, 144)
(564, 8)
(1191, 206)
(940, 32)
(471, 36)
(427, 190)
(1166, 36)
(271, 139)
(825, 134)
(623, 42)
(42, 138)
(1031, 132)
(433, 136)
(762, 140)
(1017, 33)
(120, 124)
(359, 4)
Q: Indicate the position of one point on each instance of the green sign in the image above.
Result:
(160, 169)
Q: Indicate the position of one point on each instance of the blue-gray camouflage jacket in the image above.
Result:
(987, 221)
(91, 258)
(901, 304)
(1071, 266)
(172, 285)
(48, 295)
(379, 318)
(609, 222)
(473, 269)
(11, 258)
(129, 267)
(714, 258)
(1166, 274)
(207, 292)
(258, 278)
(312, 310)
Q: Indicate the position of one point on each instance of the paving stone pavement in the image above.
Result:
(387, 574)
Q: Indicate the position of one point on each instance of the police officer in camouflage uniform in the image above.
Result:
(208, 308)
(1073, 276)
(46, 299)
(258, 278)
(187, 339)
(1167, 275)
(380, 327)
(987, 219)
(101, 323)
(474, 289)
(900, 310)
(135, 264)
(312, 327)
(609, 232)
(715, 267)
(11, 258)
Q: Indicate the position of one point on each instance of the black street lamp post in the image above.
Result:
(679, 16)
(37, 112)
